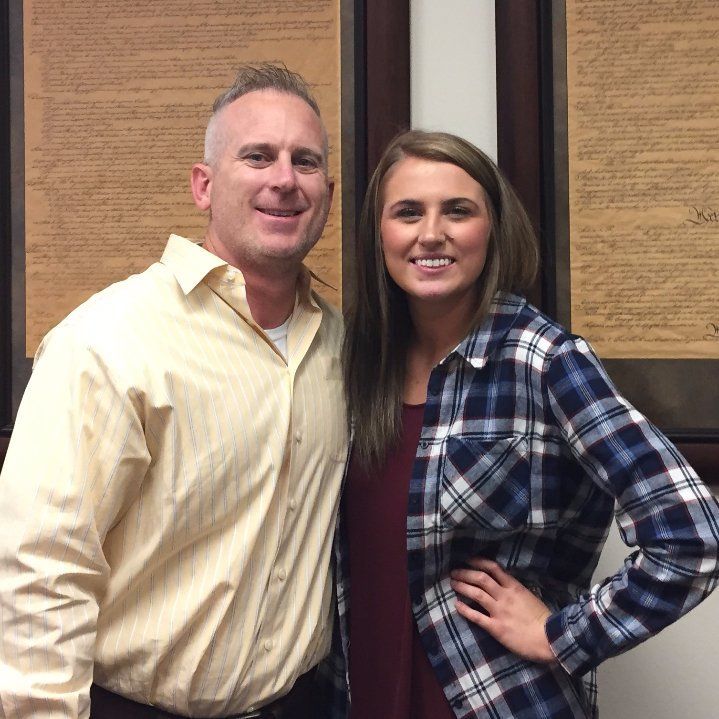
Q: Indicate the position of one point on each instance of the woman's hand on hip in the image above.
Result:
(513, 615)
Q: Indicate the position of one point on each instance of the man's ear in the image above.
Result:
(201, 184)
(330, 191)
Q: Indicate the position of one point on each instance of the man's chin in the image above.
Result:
(291, 251)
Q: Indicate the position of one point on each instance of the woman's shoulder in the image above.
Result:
(520, 322)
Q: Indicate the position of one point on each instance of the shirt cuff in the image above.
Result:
(574, 660)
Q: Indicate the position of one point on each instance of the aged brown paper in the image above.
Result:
(643, 139)
(117, 96)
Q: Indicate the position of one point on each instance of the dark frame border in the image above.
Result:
(5, 235)
(526, 66)
(12, 189)
(381, 97)
(379, 34)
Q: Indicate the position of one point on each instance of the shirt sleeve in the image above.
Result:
(662, 509)
(76, 458)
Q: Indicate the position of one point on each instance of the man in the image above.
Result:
(169, 495)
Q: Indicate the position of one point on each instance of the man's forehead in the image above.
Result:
(273, 108)
(273, 118)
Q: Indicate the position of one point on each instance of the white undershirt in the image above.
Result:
(278, 335)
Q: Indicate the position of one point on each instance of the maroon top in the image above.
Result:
(390, 675)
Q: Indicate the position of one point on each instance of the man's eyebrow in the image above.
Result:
(264, 147)
(315, 154)
(267, 148)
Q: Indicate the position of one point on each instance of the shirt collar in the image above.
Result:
(191, 263)
(304, 287)
(478, 346)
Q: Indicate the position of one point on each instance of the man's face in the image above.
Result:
(267, 188)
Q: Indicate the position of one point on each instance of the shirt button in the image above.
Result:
(268, 645)
(293, 504)
(281, 574)
(298, 437)
(231, 274)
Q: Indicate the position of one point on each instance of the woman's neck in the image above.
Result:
(436, 332)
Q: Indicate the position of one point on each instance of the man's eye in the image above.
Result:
(306, 163)
(256, 158)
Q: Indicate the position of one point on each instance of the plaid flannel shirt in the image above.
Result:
(525, 448)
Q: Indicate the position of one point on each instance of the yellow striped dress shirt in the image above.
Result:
(168, 499)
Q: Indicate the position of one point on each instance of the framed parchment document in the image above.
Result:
(608, 128)
(103, 114)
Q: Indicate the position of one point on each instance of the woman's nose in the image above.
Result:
(432, 230)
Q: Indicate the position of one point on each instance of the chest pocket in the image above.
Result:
(485, 484)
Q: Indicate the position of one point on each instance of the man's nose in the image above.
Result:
(284, 176)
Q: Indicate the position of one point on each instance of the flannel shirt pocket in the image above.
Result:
(486, 483)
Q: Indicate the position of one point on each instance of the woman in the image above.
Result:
(489, 449)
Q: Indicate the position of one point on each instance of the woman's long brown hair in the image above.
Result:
(378, 324)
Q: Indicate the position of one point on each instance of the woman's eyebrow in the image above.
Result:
(408, 202)
(455, 200)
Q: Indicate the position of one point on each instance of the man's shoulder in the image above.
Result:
(331, 316)
(119, 309)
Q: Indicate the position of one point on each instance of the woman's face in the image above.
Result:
(435, 228)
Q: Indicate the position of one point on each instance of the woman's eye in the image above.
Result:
(408, 213)
(459, 211)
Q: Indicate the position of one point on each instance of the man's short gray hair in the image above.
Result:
(253, 78)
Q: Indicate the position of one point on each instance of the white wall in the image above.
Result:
(453, 69)
(453, 88)
(671, 675)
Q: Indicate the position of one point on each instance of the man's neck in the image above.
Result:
(271, 299)
(271, 291)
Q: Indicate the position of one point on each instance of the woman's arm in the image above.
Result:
(662, 508)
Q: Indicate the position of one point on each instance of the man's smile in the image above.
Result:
(279, 213)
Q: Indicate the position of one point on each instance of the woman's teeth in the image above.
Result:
(434, 262)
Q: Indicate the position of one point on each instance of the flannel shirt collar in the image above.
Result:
(481, 343)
